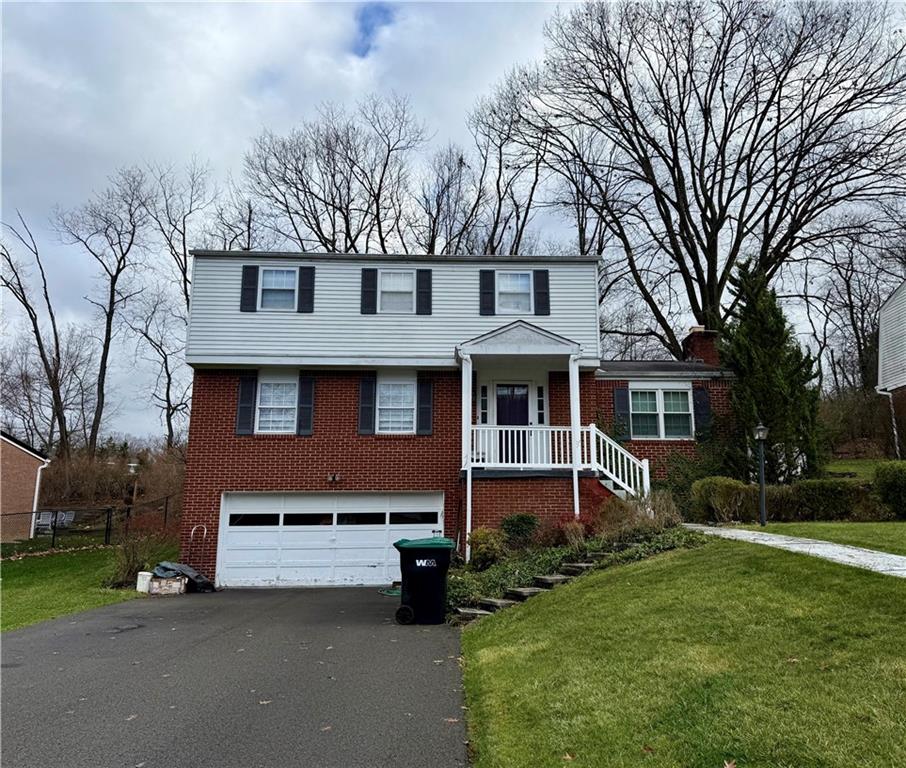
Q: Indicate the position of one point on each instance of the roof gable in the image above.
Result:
(520, 338)
(23, 446)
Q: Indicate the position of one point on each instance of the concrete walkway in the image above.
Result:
(869, 559)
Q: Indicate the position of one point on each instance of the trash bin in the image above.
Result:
(424, 564)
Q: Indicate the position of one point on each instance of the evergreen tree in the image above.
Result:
(775, 384)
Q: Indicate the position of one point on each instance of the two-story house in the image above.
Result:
(344, 401)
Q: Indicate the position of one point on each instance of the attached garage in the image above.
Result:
(301, 539)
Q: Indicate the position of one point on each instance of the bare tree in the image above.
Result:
(111, 229)
(45, 331)
(721, 131)
(239, 223)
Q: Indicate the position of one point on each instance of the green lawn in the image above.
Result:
(863, 469)
(729, 652)
(39, 588)
(884, 537)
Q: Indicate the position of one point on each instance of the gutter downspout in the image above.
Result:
(34, 505)
(466, 388)
(893, 419)
(575, 427)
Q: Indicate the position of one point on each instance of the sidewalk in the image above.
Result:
(869, 559)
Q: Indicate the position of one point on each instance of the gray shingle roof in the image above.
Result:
(621, 369)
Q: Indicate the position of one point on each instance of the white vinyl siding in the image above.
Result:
(396, 399)
(892, 341)
(660, 413)
(219, 334)
(278, 289)
(396, 291)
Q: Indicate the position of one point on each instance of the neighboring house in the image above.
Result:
(342, 402)
(20, 487)
(892, 358)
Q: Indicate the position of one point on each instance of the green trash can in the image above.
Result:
(424, 564)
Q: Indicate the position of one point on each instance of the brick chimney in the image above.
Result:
(701, 346)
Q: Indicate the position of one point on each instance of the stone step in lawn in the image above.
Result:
(575, 569)
(596, 555)
(552, 580)
(524, 593)
(468, 614)
(495, 603)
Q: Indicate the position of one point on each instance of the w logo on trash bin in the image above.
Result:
(426, 563)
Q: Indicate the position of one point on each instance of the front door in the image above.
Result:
(512, 411)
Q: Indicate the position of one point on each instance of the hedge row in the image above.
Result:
(722, 499)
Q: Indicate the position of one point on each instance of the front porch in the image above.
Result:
(521, 413)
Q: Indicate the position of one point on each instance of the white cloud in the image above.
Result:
(90, 87)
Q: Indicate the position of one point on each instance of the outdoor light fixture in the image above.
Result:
(761, 434)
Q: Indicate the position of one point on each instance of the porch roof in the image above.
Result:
(519, 338)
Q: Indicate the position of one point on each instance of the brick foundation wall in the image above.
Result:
(550, 498)
(218, 460)
(19, 471)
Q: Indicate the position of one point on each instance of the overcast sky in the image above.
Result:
(91, 87)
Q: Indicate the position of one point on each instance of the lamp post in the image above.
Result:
(761, 434)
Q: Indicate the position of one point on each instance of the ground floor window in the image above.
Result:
(277, 402)
(661, 413)
(396, 405)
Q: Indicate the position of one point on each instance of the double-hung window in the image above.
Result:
(660, 413)
(396, 291)
(396, 405)
(277, 402)
(278, 289)
(514, 293)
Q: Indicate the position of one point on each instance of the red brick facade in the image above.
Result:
(219, 460)
(19, 470)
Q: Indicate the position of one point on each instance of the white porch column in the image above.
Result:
(466, 389)
(575, 427)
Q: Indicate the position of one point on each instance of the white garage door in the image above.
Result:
(292, 539)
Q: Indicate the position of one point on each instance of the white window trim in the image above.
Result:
(659, 388)
(531, 291)
(264, 269)
(395, 379)
(380, 293)
(276, 379)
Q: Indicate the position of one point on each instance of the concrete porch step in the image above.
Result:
(524, 593)
(468, 614)
(495, 603)
(576, 569)
(552, 580)
(611, 486)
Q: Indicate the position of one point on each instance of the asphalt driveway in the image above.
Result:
(314, 677)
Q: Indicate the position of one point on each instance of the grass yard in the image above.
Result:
(39, 588)
(884, 537)
(863, 469)
(729, 652)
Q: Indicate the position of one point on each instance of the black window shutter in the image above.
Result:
(486, 292)
(701, 407)
(621, 413)
(367, 394)
(248, 299)
(369, 291)
(305, 413)
(423, 292)
(424, 406)
(245, 408)
(305, 295)
(541, 282)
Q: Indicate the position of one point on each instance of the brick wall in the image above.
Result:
(219, 460)
(19, 471)
(558, 398)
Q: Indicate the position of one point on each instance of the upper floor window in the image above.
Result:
(660, 413)
(277, 402)
(278, 289)
(514, 293)
(396, 398)
(396, 291)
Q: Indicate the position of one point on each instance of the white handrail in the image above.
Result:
(534, 447)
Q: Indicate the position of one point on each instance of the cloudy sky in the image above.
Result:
(91, 87)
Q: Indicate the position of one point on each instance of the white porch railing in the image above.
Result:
(507, 447)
